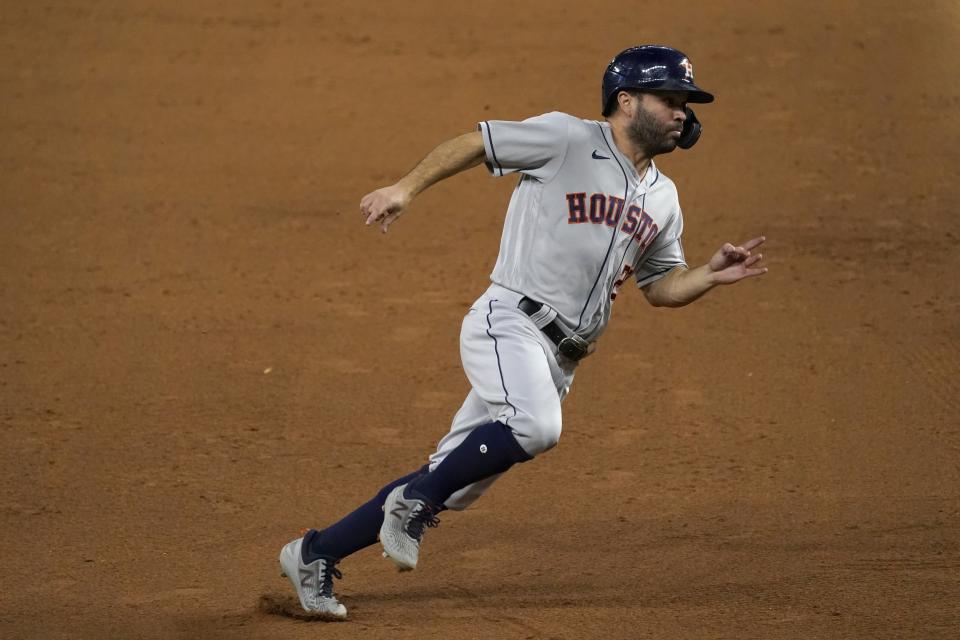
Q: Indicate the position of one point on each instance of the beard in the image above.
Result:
(650, 135)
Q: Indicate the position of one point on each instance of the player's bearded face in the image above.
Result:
(651, 133)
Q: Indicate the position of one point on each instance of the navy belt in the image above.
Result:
(572, 346)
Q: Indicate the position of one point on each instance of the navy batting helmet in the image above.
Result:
(650, 68)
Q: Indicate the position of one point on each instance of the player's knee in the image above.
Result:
(542, 433)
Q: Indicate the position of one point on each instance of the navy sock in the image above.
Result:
(488, 450)
(356, 530)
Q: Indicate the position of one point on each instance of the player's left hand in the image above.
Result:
(734, 263)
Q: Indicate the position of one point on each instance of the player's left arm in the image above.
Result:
(729, 264)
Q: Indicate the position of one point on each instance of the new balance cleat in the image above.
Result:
(313, 582)
(404, 521)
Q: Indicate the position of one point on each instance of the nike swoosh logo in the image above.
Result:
(597, 156)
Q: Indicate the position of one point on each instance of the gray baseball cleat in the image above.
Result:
(313, 582)
(404, 521)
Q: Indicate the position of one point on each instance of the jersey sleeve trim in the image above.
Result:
(493, 165)
(659, 274)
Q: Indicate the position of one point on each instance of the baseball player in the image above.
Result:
(591, 210)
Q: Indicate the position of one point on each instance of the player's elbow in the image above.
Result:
(663, 292)
(656, 295)
(666, 302)
(653, 300)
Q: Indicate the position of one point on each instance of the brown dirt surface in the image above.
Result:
(202, 350)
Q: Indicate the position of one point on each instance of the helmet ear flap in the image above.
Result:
(691, 130)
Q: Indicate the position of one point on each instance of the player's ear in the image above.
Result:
(625, 100)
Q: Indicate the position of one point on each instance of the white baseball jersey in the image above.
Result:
(580, 221)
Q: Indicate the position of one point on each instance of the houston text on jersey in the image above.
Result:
(606, 209)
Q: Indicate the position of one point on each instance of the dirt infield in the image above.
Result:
(202, 350)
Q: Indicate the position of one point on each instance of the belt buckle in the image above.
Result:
(573, 347)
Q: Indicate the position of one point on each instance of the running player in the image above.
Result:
(590, 211)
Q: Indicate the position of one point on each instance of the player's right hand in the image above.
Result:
(384, 206)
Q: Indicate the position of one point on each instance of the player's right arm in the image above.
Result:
(385, 205)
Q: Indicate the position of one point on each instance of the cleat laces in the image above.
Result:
(330, 572)
(424, 517)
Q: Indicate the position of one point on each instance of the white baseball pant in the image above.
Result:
(516, 379)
